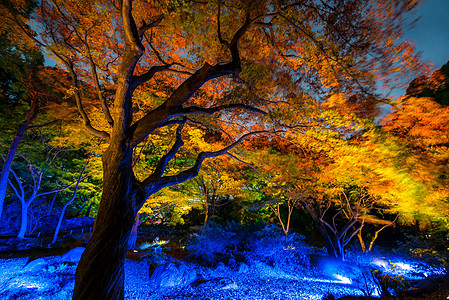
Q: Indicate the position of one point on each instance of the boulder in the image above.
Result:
(221, 268)
(171, 275)
(243, 268)
(35, 265)
(219, 283)
(73, 255)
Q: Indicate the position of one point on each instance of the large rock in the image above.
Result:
(171, 275)
(243, 268)
(35, 265)
(73, 255)
(219, 283)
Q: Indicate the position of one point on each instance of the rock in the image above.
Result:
(170, 275)
(381, 264)
(35, 265)
(243, 268)
(73, 255)
(219, 283)
(329, 297)
(232, 263)
(221, 268)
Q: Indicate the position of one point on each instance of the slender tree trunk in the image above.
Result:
(23, 222)
(362, 243)
(206, 210)
(61, 216)
(52, 203)
(30, 117)
(88, 209)
(100, 272)
(133, 238)
(331, 251)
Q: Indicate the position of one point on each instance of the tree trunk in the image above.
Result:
(331, 251)
(206, 210)
(133, 238)
(30, 117)
(61, 216)
(339, 248)
(88, 210)
(100, 272)
(24, 221)
(52, 203)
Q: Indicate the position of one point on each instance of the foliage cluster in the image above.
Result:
(265, 243)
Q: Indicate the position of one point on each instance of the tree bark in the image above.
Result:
(61, 216)
(133, 238)
(100, 272)
(23, 221)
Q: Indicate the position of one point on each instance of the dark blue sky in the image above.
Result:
(431, 33)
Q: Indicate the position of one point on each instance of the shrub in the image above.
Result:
(273, 247)
(212, 244)
(257, 243)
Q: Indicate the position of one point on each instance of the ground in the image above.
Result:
(37, 276)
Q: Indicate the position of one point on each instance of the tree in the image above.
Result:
(25, 196)
(437, 86)
(61, 216)
(271, 49)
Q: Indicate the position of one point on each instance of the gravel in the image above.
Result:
(53, 279)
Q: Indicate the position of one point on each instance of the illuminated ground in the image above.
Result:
(51, 278)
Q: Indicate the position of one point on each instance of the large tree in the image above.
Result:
(218, 64)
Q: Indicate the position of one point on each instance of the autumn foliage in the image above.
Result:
(285, 88)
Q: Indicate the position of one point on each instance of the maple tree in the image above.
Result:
(219, 64)
(419, 120)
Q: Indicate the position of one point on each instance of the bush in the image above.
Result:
(212, 244)
(250, 243)
(273, 247)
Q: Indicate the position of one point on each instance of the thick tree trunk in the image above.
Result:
(100, 272)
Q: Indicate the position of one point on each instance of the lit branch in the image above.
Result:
(151, 185)
(162, 165)
(212, 110)
(79, 104)
(145, 26)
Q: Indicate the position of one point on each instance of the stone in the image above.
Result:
(232, 263)
(73, 255)
(243, 268)
(35, 265)
(170, 275)
(221, 268)
(219, 283)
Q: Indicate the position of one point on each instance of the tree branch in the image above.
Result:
(151, 185)
(142, 78)
(146, 27)
(220, 38)
(157, 117)
(79, 104)
(162, 165)
(102, 99)
(212, 110)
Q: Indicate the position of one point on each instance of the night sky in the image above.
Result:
(431, 33)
